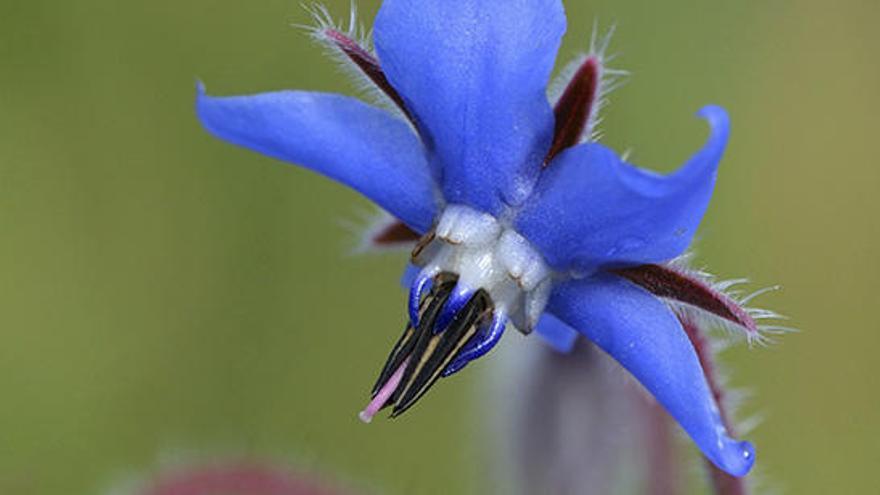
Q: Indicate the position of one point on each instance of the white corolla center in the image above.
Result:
(486, 254)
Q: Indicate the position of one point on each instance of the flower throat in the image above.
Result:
(476, 275)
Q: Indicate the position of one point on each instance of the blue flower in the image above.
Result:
(522, 216)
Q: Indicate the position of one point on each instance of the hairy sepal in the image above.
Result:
(352, 49)
(383, 233)
(580, 91)
(699, 297)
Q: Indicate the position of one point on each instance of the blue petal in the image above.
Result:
(590, 209)
(339, 137)
(409, 275)
(641, 333)
(474, 73)
(557, 334)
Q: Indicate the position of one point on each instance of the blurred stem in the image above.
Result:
(568, 424)
(662, 475)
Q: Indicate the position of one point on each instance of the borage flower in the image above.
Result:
(522, 218)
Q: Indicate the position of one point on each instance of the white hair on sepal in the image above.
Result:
(561, 80)
(597, 49)
(363, 229)
(323, 23)
(752, 421)
(609, 79)
(760, 482)
(355, 225)
(762, 334)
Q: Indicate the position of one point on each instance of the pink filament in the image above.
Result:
(384, 393)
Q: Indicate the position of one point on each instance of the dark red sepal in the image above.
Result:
(575, 106)
(679, 286)
(395, 233)
(368, 64)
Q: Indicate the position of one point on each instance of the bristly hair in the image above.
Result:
(609, 79)
(708, 302)
(327, 32)
(323, 21)
(703, 302)
(375, 231)
(750, 321)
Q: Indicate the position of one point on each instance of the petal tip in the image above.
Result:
(203, 109)
(717, 118)
(708, 158)
(736, 457)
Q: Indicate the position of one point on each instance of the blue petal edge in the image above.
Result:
(342, 138)
(556, 334)
(646, 338)
(408, 277)
(592, 210)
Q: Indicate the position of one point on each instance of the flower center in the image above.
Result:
(486, 255)
(476, 275)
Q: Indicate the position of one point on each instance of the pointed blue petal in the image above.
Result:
(474, 73)
(557, 334)
(590, 209)
(339, 137)
(641, 333)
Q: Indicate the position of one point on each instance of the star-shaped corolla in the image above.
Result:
(523, 218)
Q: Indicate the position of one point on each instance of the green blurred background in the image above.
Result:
(163, 292)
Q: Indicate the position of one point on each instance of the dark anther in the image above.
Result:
(429, 305)
(427, 353)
